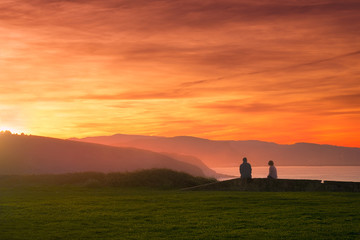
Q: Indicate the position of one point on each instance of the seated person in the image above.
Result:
(272, 170)
(245, 169)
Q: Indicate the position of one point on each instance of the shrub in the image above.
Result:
(152, 178)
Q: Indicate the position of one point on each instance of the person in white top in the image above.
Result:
(272, 170)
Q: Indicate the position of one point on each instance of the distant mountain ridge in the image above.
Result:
(229, 153)
(43, 155)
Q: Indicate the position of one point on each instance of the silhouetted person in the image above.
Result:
(272, 170)
(245, 169)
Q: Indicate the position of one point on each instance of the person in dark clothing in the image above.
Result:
(245, 169)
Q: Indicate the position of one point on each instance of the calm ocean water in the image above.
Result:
(335, 173)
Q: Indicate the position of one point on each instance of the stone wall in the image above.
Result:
(333, 186)
(278, 185)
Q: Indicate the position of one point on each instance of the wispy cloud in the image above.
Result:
(153, 63)
(287, 68)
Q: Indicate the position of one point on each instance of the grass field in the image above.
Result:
(58, 212)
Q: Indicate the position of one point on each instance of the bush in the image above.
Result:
(152, 178)
(155, 178)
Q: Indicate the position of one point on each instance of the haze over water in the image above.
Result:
(333, 173)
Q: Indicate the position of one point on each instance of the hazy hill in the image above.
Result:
(197, 162)
(41, 155)
(230, 153)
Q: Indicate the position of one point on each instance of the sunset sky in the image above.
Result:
(283, 71)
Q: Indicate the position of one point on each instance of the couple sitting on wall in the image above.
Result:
(245, 169)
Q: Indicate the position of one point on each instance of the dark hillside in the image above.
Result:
(229, 153)
(41, 155)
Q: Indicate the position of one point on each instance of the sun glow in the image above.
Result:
(11, 129)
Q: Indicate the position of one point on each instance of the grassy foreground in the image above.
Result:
(60, 212)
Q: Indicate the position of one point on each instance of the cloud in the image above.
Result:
(292, 67)
(333, 105)
(234, 106)
(184, 58)
(346, 100)
(140, 95)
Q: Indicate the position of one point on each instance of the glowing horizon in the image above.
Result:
(280, 71)
(11, 129)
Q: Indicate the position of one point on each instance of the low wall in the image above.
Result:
(334, 186)
(278, 185)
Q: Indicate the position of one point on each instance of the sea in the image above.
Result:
(331, 173)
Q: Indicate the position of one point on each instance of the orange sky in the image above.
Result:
(282, 71)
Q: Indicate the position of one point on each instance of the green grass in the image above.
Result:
(59, 212)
